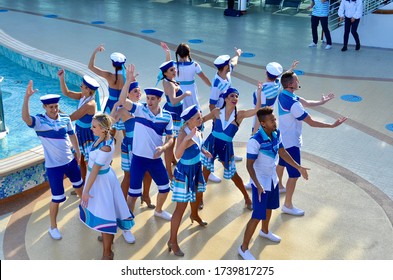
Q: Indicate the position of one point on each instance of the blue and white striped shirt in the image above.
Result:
(320, 9)
(149, 130)
(53, 135)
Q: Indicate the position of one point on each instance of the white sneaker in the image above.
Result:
(128, 236)
(270, 235)
(312, 45)
(248, 186)
(214, 178)
(54, 233)
(245, 255)
(163, 215)
(237, 158)
(328, 47)
(292, 211)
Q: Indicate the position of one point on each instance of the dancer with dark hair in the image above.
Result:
(220, 142)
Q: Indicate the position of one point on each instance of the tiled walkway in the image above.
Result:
(348, 199)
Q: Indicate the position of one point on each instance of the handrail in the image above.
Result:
(369, 6)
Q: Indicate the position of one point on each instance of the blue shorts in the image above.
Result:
(156, 169)
(56, 178)
(295, 154)
(269, 200)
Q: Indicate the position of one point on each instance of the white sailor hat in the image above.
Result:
(90, 82)
(50, 98)
(118, 59)
(189, 112)
(154, 91)
(222, 60)
(166, 65)
(274, 69)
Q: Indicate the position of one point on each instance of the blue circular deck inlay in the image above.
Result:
(51, 16)
(247, 54)
(98, 22)
(148, 31)
(298, 72)
(389, 126)
(351, 98)
(195, 41)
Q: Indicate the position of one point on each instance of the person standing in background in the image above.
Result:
(320, 13)
(352, 11)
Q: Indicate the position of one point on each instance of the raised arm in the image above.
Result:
(25, 109)
(130, 77)
(64, 88)
(95, 69)
(242, 114)
(167, 51)
(293, 65)
(235, 58)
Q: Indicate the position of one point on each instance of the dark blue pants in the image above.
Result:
(353, 28)
(314, 28)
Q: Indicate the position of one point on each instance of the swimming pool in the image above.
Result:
(20, 137)
(25, 170)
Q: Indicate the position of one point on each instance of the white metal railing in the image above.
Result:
(369, 6)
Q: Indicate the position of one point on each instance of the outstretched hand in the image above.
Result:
(339, 121)
(259, 90)
(164, 46)
(294, 64)
(130, 73)
(100, 48)
(29, 90)
(61, 73)
(326, 98)
(238, 52)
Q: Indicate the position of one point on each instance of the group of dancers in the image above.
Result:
(166, 145)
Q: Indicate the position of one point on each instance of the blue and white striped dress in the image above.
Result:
(187, 177)
(175, 111)
(114, 95)
(220, 144)
(83, 129)
(126, 145)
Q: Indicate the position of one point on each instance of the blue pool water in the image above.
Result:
(20, 137)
